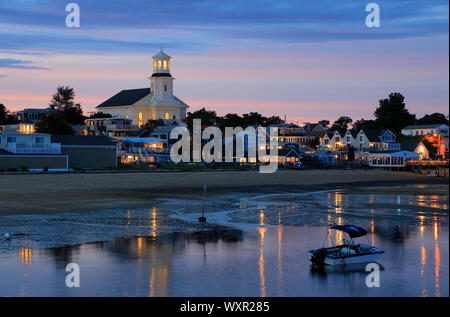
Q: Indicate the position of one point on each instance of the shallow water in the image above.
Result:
(267, 259)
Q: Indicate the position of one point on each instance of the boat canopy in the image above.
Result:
(353, 231)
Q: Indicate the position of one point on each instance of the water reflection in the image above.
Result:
(269, 262)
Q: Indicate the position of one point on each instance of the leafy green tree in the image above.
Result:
(341, 123)
(63, 101)
(54, 123)
(392, 113)
(150, 125)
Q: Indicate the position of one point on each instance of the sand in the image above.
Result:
(52, 193)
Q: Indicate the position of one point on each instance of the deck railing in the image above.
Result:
(49, 148)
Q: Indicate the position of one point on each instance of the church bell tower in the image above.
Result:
(161, 81)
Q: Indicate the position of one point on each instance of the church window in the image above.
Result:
(165, 65)
(154, 64)
(140, 118)
(159, 65)
(167, 116)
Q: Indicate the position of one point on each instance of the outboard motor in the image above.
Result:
(318, 258)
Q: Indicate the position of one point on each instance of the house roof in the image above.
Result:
(410, 145)
(82, 140)
(164, 129)
(125, 98)
(353, 132)
(373, 135)
(284, 152)
(144, 140)
(423, 126)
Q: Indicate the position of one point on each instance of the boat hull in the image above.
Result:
(371, 254)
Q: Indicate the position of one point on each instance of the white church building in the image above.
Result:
(156, 102)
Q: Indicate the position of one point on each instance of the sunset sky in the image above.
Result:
(308, 60)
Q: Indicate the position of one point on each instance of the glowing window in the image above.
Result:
(166, 116)
(140, 118)
(165, 65)
(159, 65)
(154, 64)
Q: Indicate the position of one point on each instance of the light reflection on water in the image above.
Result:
(268, 260)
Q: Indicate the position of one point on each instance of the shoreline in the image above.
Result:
(60, 193)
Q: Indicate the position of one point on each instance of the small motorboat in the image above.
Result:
(348, 252)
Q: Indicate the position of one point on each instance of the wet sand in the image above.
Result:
(53, 193)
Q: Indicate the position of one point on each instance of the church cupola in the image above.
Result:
(161, 81)
(161, 63)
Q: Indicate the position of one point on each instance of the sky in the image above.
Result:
(306, 60)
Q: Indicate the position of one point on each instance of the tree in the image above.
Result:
(63, 101)
(150, 125)
(341, 123)
(54, 123)
(208, 117)
(3, 113)
(392, 113)
(365, 124)
(434, 118)
(272, 120)
(324, 123)
(99, 115)
(6, 117)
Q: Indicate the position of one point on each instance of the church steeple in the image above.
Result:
(161, 79)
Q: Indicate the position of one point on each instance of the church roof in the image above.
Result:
(125, 98)
(161, 54)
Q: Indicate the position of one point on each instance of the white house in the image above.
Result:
(22, 143)
(427, 129)
(389, 159)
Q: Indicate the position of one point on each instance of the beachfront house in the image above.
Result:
(132, 150)
(315, 129)
(31, 151)
(427, 129)
(112, 127)
(334, 141)
(325, 157)
(389, 158)
(417, 146)
(32, 115)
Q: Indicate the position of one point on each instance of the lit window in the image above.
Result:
(154, 64)
(167, 116)
(165, 65)
(140, 118)
(159, 65)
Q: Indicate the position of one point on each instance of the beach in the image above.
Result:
(55, 193)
